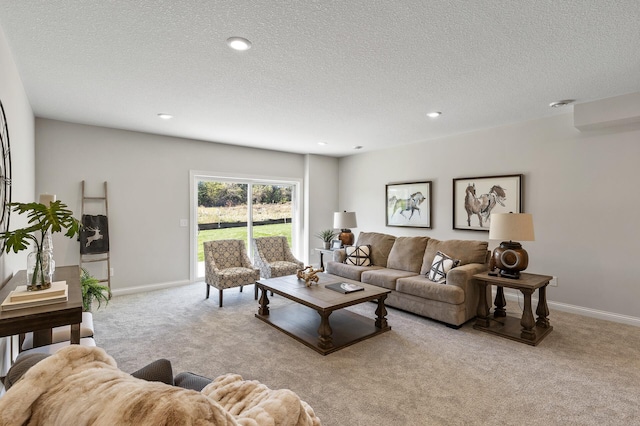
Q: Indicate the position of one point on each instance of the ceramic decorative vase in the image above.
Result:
(327, 245)
(39, 270)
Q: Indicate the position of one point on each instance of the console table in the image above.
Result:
(41, 319)
(524, 330)
(322, 253)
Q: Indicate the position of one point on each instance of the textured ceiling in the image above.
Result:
(357, 72)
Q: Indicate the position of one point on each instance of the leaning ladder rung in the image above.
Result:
(94, 260)
(94, 198)
(104, 280)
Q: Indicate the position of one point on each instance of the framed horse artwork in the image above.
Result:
(474, 199)
(409, 204)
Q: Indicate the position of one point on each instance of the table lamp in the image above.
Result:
(343, 221)
(510, 258)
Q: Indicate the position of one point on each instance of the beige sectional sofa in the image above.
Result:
(401, 265)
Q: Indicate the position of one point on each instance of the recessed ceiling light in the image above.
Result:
(560, 104)
(357, 147)
(434, 114)
(322, 143)
(165, 116)
(239, 43)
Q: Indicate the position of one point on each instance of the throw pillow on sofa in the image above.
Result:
(441, 265)
(359, 255)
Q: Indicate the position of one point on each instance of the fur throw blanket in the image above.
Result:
(83, 386)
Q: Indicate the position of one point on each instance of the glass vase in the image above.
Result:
(39, 270)
(47, 245)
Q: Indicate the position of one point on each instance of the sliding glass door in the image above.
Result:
(241, 208)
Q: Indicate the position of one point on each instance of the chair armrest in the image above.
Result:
(246, 262)
(461, 276)
(289, 257)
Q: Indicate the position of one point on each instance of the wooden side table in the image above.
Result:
(526, 330)
(41, 319)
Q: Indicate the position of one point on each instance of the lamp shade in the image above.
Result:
(344, 220)
(511, 226)
(47, 199)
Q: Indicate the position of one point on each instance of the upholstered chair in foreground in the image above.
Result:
(227, 265)
(274, 258)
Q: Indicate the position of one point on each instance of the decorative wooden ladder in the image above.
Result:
(98, 257)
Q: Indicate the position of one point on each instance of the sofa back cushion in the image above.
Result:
(466, 251)
(380, 246)
(407, 253)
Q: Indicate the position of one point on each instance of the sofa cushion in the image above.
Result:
(441, 265)
(407, 253)
(359, 255)
(466, 251)
(380, 246)
(384, 277)
(351, 272)
(158, 371)
(191, 381)
(421, 286)
(23, 363)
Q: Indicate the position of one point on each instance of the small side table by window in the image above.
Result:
(525, 330)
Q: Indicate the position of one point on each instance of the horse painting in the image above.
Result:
(410, 205)
(482, 206)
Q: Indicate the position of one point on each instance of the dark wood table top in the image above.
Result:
(317, 296)
(526, 280)
(47, 316)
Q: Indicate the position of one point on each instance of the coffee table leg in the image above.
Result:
(381, 313)
(500, 303)
(324, 331)
(264, 302)
(543, 309)
(527, 322)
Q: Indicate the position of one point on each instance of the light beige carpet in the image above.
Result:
(586, 372)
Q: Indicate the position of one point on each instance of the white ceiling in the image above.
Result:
(356, 72)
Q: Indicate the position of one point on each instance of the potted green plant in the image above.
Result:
(52, 218)
(326, 236)
(92, 290)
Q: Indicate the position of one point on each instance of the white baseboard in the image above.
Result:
(573, 309)
(151, 287)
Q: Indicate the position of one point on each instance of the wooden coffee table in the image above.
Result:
(307, 320)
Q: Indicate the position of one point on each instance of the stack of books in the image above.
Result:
(22, 298)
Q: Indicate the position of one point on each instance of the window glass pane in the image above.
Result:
(272, 210)
(222, 214)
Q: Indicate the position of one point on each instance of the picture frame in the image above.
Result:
(475, 198)
(336, 244)
(408, 204)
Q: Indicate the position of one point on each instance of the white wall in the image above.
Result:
(580, 188)
(20, 125)
(322, 200)
(20, 122)
(148, 184)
